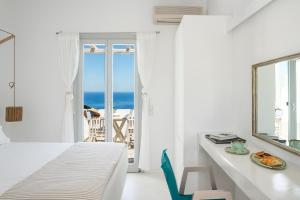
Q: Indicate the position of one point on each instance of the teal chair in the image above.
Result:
(172, 184)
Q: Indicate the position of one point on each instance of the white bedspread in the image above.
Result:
(90, 167)
(19, 160)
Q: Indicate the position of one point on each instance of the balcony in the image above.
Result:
(122, 131)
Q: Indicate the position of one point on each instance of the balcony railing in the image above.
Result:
(122, 132)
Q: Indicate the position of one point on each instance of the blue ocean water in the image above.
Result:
(121, 100)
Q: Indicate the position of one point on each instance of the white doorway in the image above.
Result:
(109, 92)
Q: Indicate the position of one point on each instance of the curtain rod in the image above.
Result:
(59, 32)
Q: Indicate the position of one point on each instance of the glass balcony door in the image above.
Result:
(111, 93)
(123, 91)
(95, 91)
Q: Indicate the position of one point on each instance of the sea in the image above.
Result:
(121, 100)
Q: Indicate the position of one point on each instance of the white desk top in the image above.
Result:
(256, 182)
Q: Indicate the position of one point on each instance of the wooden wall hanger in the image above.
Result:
(13, 113)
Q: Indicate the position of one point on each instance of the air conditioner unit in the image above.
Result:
(174, 14)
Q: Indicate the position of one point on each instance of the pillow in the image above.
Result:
(3, 138)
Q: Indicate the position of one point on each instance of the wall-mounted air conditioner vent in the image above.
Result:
(174, 14)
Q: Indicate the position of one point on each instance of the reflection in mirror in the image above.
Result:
(277, 102)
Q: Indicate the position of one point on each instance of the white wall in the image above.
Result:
(179, 103)
(271, 33)
(239, 10)
(225, 7)
(208, 75)
(39, 84)
(203, 83)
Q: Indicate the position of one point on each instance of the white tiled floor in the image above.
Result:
(145, 186)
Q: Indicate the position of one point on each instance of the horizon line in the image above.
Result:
(113, 91)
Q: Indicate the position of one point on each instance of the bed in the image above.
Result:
(94, 171)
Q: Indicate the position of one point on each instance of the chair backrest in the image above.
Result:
(169, 175)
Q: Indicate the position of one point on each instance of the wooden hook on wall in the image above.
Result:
(6, 39)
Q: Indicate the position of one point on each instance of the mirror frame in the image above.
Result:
(254, 107)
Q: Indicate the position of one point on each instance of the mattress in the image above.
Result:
(20, 160)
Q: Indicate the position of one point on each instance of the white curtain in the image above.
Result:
(68, 44)
(146, 48)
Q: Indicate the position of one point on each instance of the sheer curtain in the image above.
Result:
(146, 47)
(68, 44)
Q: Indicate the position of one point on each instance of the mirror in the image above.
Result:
(276, 102)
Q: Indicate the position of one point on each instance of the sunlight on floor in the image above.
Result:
(146, 186)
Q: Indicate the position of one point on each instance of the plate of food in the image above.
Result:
(267, 160)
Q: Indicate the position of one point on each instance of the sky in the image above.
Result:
(123, 72)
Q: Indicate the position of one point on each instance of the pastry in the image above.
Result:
(262, 154)
(271, 161)
(268, 159)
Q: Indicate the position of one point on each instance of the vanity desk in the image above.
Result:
(256, 182)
